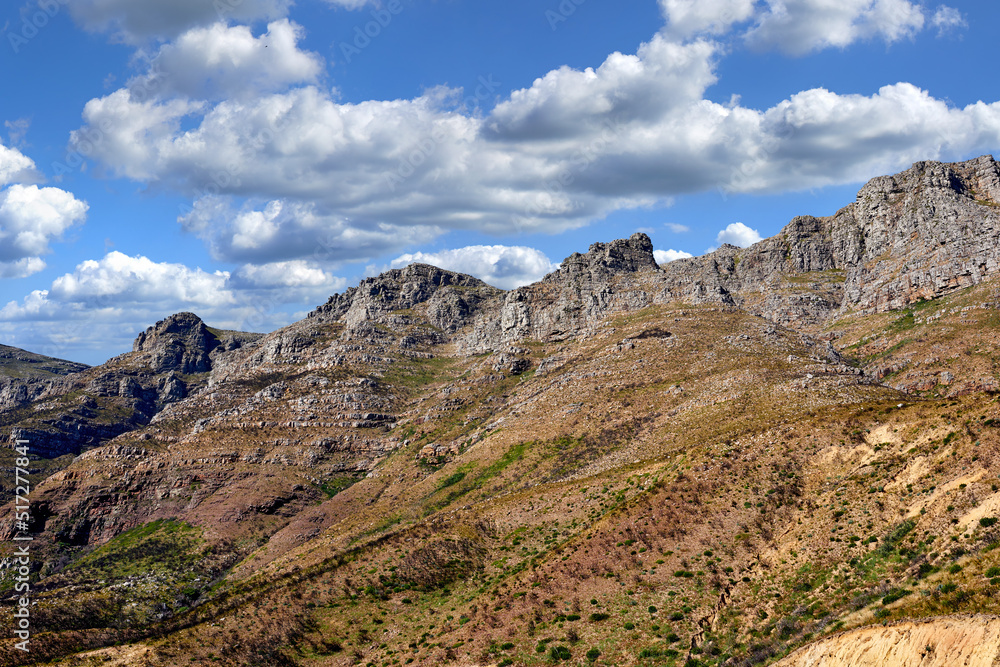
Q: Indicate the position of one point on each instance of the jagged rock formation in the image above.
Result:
(451, 298)
(918, 235)
(180, 343)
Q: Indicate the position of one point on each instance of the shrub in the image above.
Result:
(650, 653)
(597, 616)
(672, 638)
(987, 521)
(558, 653)
(676, 616)
(894, 595)
(652, 609)
(593, 654)
(630, 626)
(993, 572)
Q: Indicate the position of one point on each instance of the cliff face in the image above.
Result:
(181, 343)
(920, 234)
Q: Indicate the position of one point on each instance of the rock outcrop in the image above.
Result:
(928, 231)
(180, 343)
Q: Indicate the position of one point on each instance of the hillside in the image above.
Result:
(712, 462)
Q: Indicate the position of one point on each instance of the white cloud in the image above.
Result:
(738, 234)
(664, 256)
(566, 103)
(219, 61)
(678, 229)
(798, 27)
(283, 230)
(105, 303)
(122, 281)
(137, 132)
(690, 17)
(21, 268)
(30, 219)
(825, 138)
(14, 166)
(947, 19)
(295, 274)
(505, 267)
(135, 22)
(297, 173)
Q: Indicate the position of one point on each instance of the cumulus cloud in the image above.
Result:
(663, 76)
(14, 166)
(690, 17)
(30, 219)
(283, 176)
(219, 62)
(283, 230)
(298, 279)
(21, 268)
(664, 256)
(738, 234)
(122, 281)
(798, 27)
(502, 266)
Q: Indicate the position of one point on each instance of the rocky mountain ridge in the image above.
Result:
(425, 440)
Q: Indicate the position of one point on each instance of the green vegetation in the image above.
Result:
(158, 546)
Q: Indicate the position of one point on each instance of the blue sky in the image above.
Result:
(245, 159)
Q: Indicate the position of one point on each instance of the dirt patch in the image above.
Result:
(973, 641)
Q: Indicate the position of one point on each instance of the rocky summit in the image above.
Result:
(781, 454)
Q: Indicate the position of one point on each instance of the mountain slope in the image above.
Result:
(710, 462)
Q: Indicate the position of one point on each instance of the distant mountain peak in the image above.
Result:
(181, 343)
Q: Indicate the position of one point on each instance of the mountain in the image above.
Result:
(770, 453)
(23, 365)
(24, 375)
